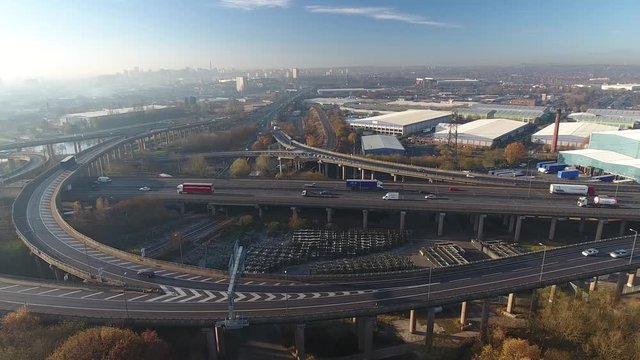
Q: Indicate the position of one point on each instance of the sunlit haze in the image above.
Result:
(80, 38)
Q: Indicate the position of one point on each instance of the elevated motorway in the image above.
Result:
(31, 163)
(195, 295)
(468, 200)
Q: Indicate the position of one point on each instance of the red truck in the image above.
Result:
(195, 188)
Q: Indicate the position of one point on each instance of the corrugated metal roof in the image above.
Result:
(580, 129)
(402, 118)
(606, 156)
(381, 142)
(490, 129)
(629, 134)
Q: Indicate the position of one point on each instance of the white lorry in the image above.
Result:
(598, 201)
(391, 196)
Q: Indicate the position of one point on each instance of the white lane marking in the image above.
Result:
(114, 296)
(207, 279)
(90, 295)
(263, 283)
(48, 291)
(277, 284)
(171, 273)
(181, 294)
(195, 296)
(193, 278)
(69, 293)
(181, 276)
(166, 290)
(159, 272)
(240, 297)
(138, 297)
(331, 294)
(209, 297)
(223, 298)
(270, 297)
(316, 295)
(221, 280)
(23, 290)
(8, 287)
(159, 297)
(248, 282)
(254, 297)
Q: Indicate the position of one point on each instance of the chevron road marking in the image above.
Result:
(48, 291)
(8, 287)
(195, 296)
(114, 296)
(300, 296)
(69, 293)
(331, 294)
(223, 298)
(316, 295)
(207, 279)
(248, 282)
(181, 293)
(166, 290)
(181, 276)
(31, 288)
(90, 295)
(220, 281)
(270, 297)
(210, 296)
(240, 296)
(194, 278)
(159, 297)
(254, 297)
(138, 297)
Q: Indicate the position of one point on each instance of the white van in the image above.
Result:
(391, 196)
(103, 180)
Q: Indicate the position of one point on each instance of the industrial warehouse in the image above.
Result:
(621, 119)
(609, 152)
(570, 134)
(381, 145)
(402, 123)
(529, 114)
(485, 133)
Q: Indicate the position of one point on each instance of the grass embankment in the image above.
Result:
(14, 255)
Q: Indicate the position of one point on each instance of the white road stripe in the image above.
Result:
(254, 297)
(138, 297)
(23, 290)
(8, 287)
(270, 297)
(48, 291)
(90, 295)
(181, 276)
(209, 297)
(195, 296)
(171, 273)
(159, 297)
(223, 298)
(193, 278)
(207, 279)
(114, 296)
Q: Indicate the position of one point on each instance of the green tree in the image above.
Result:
(240, 168)
(197, 166)
(515, 152)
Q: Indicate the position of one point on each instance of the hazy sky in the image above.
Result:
(62, 38)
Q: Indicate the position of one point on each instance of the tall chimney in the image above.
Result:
(554, 147)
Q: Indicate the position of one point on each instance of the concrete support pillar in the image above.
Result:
(431, 320)
(372, 175)
(344, 170)
(108, 162)
(481, 226)
(329, 217)
(212, 346)
(75, 147)
(412, 321)
(79, 146)
(581, 225)
(552, 292)
(365, 219)
(280, 165)
(57, 273)
(402, 217)
(623, 227)
(631, 278)
(299, 337)
(475, 218)
(394, 177)
(619, 286)
(365, 335)
(294, 213)
(463, 314)
(593, 284)
(599, 229)
(441, 223)
(260, 212)
(89, 169)
(512, 223)
(516, 234)
(505, 220)
(552, 228)
(484, 320)
(510, 302)
(362, 174)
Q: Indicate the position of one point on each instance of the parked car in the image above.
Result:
(590, 252)
(619, 253)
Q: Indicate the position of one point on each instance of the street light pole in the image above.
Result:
(530, 177)
(124, 293)
(633, 248)
(286, 293)
(544, 253)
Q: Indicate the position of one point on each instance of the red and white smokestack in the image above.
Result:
(554, 147)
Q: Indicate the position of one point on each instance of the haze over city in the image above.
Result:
(78, 38)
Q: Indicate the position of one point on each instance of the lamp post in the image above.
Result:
(286, 293)
(633, 248)
(544, 254)
(124, 293)
(530, 177)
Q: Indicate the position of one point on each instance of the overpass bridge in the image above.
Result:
(195, 295)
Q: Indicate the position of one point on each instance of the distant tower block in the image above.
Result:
(240, 83)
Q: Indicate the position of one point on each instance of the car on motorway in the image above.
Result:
(590, 252)
(469, 175)
(149, 274)
(431, 196)
(619, 253)
(453, 188)
(310, 185)
(145, 188)
(163, 175)
(324, 192)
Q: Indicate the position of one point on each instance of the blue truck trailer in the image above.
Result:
(357, 184)
(569, 174)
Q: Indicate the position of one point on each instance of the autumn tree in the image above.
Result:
(112, 343)
(197, 166)
(263, 163)
(240, 168)
(514, 153)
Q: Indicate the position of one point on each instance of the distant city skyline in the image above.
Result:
(73, 38)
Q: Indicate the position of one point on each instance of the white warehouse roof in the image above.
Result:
(574, 129)
(606, 156)
(486, 129)
(99, 113)
(402, 118)
(381, 142)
